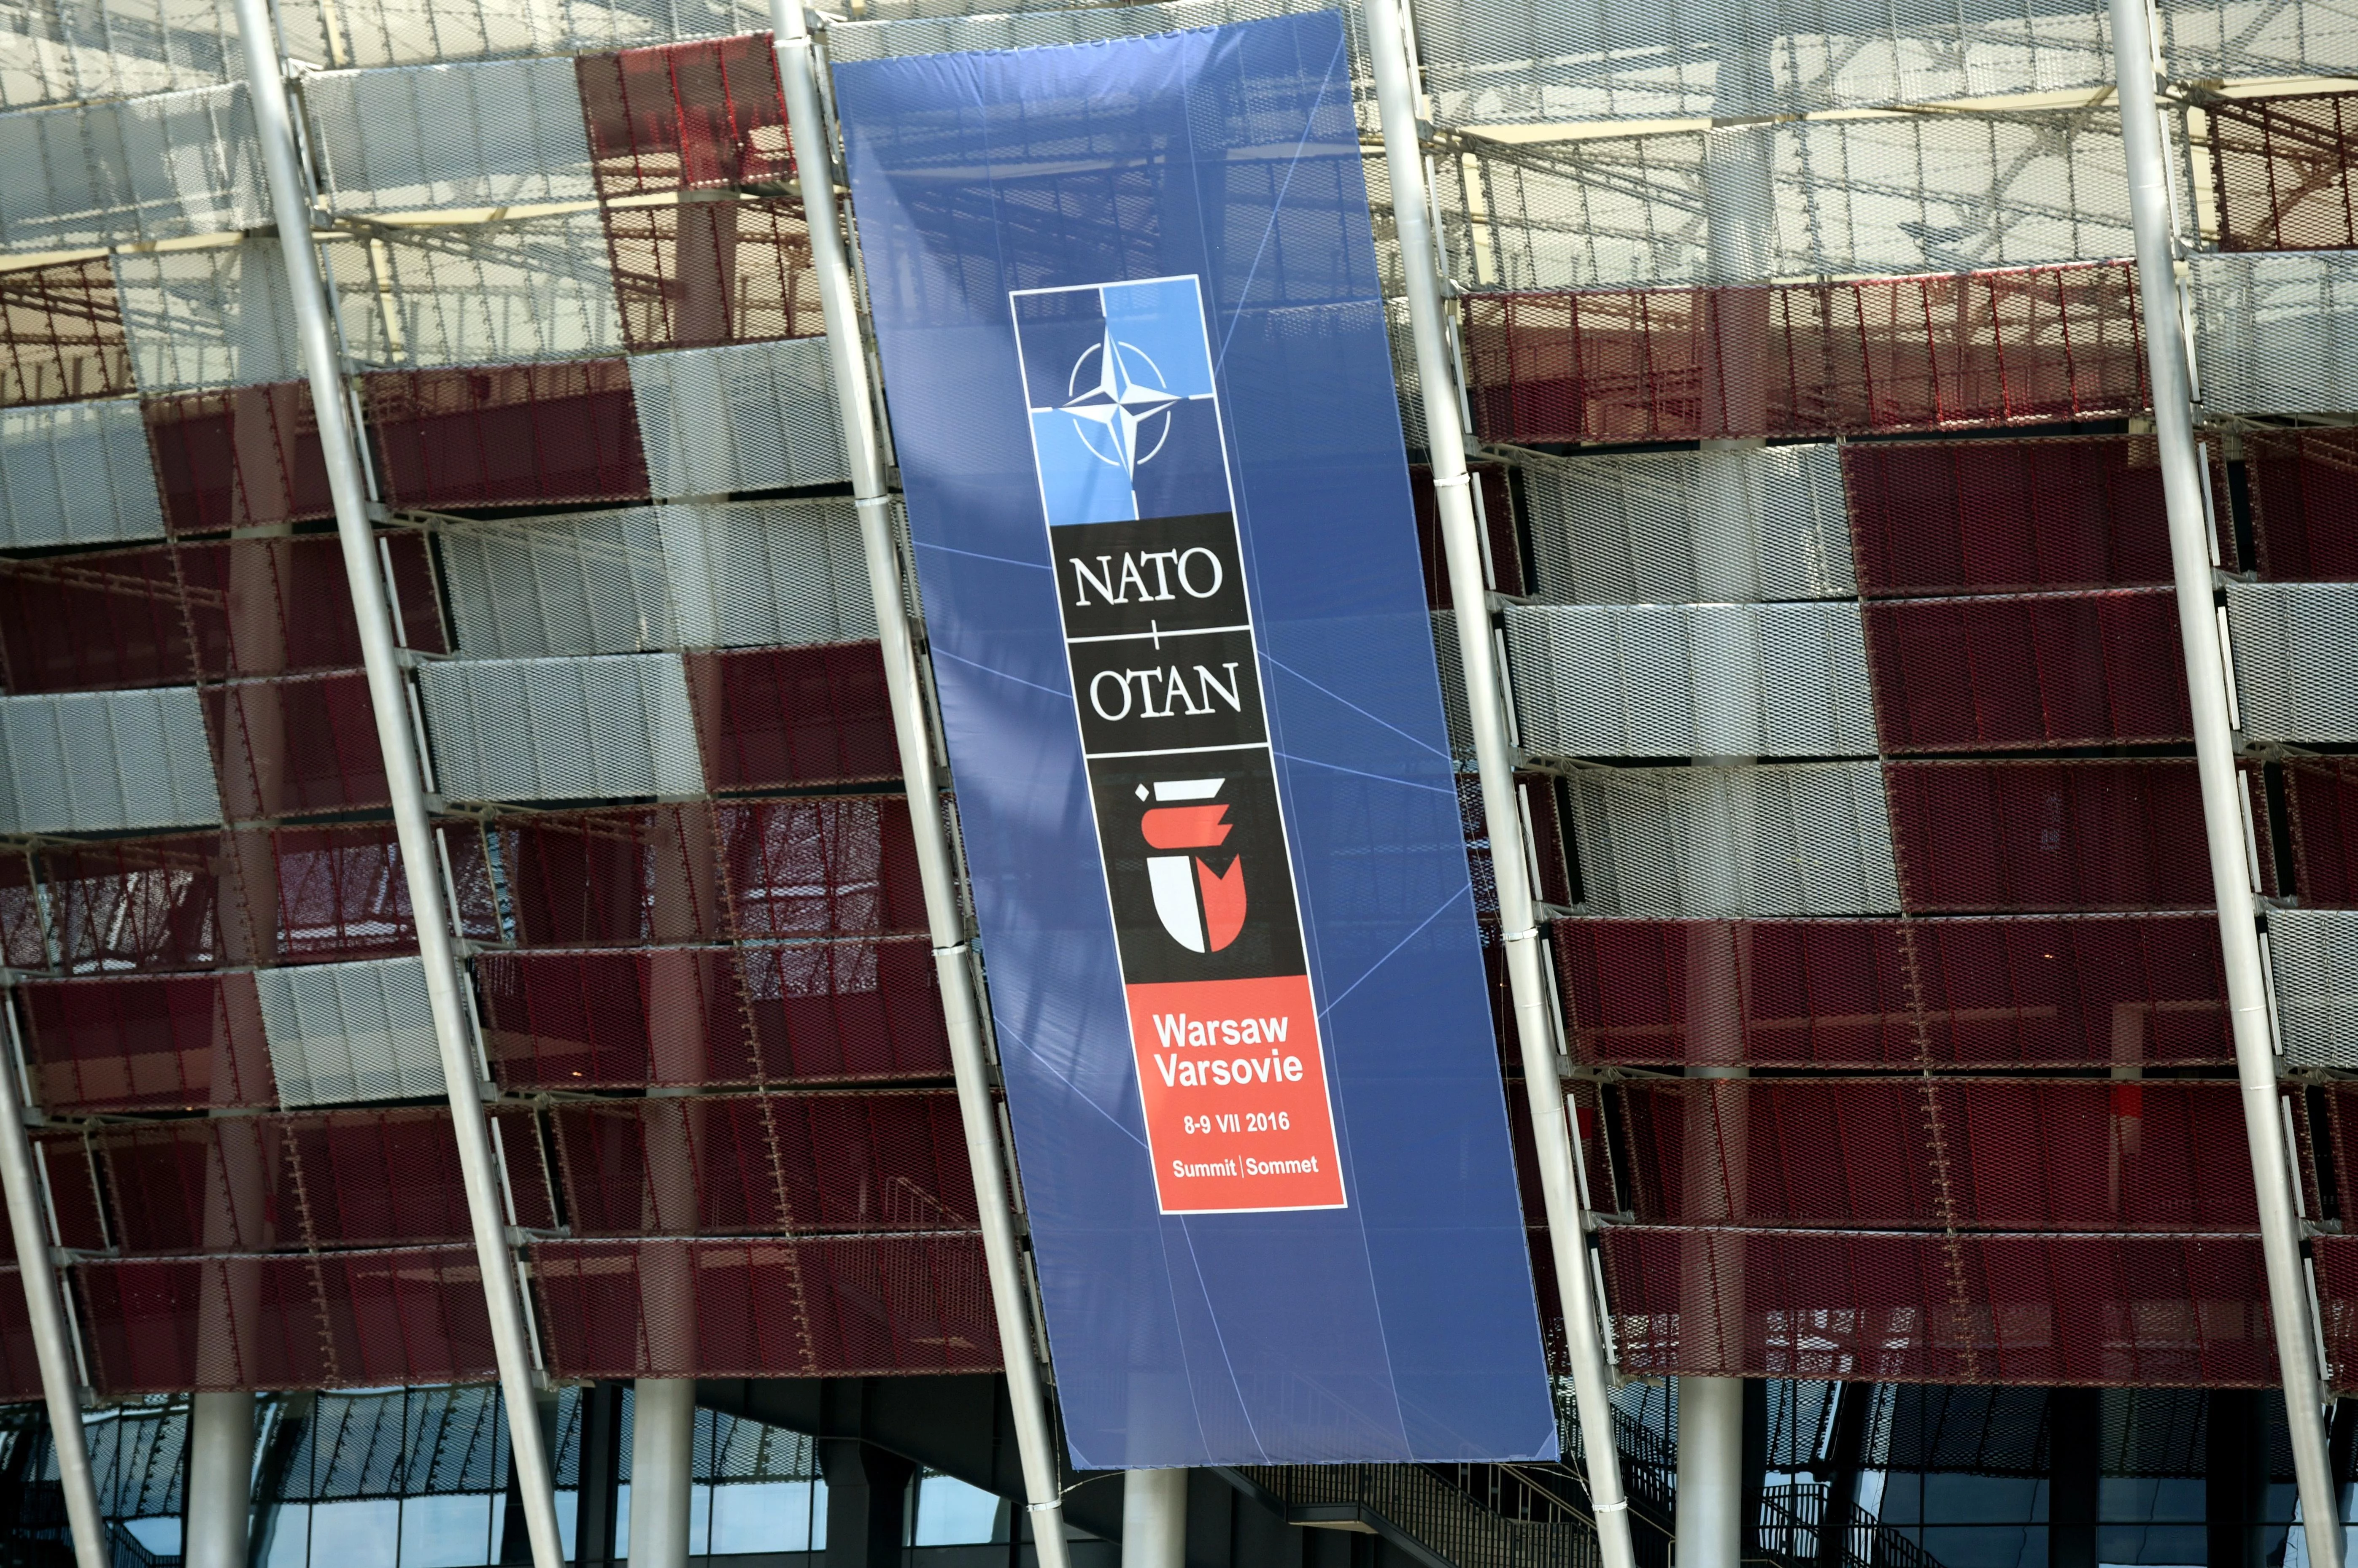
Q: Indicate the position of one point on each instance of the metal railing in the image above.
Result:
(1793, 1523)
(1417, 1510)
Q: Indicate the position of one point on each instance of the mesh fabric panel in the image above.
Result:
(530, 434)
(245, 458)
(698, 115)
(794, 715)
(342, 1032)
(160, 168)
(743, 418)
(2304, 486)
(498, 133)
(536, 288)
(2271, 333)
(295, 745)
(172, 1043)
(2296, 658)
(76, 474)
(2278, 168)
(62, 330)
(561, 729)
(111, 760)
(702, 273)
(2321, 794)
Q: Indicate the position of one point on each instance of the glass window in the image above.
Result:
(952, 1513)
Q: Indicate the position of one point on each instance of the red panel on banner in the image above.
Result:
(2280, 170)
(838, 1307)
(697, 115)
(1939, 1153)
(801, 1164)
(2095, 834)
(316, 1321)
(2032, 345)
(246, 457)
(700, 273)
(1997, 516)
(686, 1016)
(62, 334)
(2084, 991)
(2304, 502)
(2162, 1310)
(2037, 672)
(188, 1042)
(507, 434)
(779, 717)
(295, 745)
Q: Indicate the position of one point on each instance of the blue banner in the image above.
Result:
(1134, 350)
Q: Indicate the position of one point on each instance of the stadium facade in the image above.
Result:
(493, 1010)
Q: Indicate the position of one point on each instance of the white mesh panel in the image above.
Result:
(90, 762)
(1494, 61)
(497, 134)
(77, 473)
(2314, 953)
(1813, 838)
(2260, 37)
(153, 169)
(2276, 334)
(944, 27)
(693, 575)
(747, 417)
(420, 32)
(222, 317)
(489, 293)
(115, 49)
(1679, 527)
(562, 729)
(2296, 648)
(344, 1032)
(1946, 194)
(1692, 680)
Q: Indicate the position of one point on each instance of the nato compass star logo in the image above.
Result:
(1125, 406)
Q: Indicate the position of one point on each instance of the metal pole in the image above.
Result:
(221, 1481)
(1154, 1518)
(388, 696)
(1710, 1513)
(60, 1379)
(663, 1461)
(815, 167)
(1388, 51)
(2138, 68)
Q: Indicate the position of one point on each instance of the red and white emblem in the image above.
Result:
(1202, 909)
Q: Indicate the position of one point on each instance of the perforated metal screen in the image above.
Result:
(219, 316)
(749, 416)
(698, 273)
(2243, 38)
(561, 729)
(2296, 650)
(98, 761)
(61, 326)
(1683, 527)
(110, 48)
(1714, 680)
(295, 745)
(146, 1043)
(528, 434)
(2313, 956)
(483, 294)
(143, 169)
(496, 133)
(2271, 333)
(76, 474)
(244, 458)
(700, 116)
(412, 32)
(344, 1032)
(2304, 489)
(1810, 839)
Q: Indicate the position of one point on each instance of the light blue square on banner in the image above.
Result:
(1164, 321)
(1077, 483)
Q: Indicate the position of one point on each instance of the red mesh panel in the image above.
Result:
(2336, 1262)
(245, 458)
(1939, 1153)
(326, 1320)
(294, 745)
(260, 1183)
(75, 622)
(2304, 502)
(2052, 1310)
(804, 1164)
(698, 115)
(1936, 517)
(2037, 672)
(1498, 510)
(274, 606)
(157, 903)
(635, 875)
(821, 866)
(23, 928)
(344, 893)
(20, 1368)
(71, 1186)
(2035, 836)
(707, 272)
(838, 1307)
(1596, 1163)
(2324, 795)
(680, 1016)
(2280, 170)
(507, 434)
(776, 717)
(62, 334)
(2034, 345)
(2085, 990)
(181, 1043)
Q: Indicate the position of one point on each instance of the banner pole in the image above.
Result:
(388, 686)
(913, 727)
(1388, 53)
(2224, 807)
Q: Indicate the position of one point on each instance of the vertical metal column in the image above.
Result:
(1388, 51)
(1154, 1518)
(1710, 1511)
(290, 197)
(2138, 69)
(221, 1481)
(663, 1463)
(52, 1347)
(913, 727)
